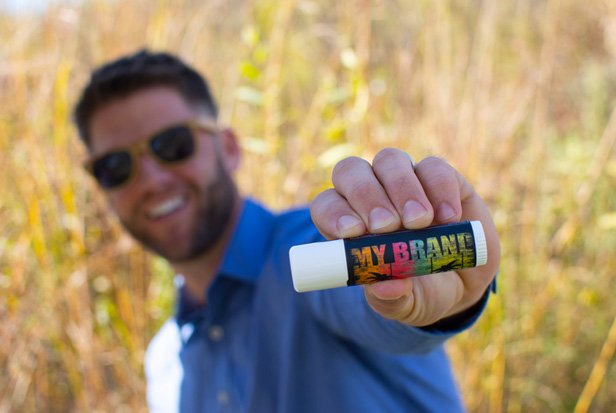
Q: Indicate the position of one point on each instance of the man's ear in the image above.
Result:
(230, 149)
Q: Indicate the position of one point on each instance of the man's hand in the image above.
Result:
(388, 196)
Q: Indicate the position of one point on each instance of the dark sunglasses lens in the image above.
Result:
(174, 144)
(113, 169)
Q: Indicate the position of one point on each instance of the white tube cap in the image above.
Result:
(481, 246)
(318, 266)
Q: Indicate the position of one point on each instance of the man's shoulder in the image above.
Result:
(292, 225)
(298, 214)
(296, 226)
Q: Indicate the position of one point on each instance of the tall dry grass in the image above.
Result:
(518, 95)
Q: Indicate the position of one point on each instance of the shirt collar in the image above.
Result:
(243, 258)
(246, 252)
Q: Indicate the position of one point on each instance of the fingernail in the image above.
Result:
(388, 298)
(373, 289)
(412, 211)
(445, 212)
(380, 217)
(347, 222)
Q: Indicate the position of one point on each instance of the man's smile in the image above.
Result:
(166, 208)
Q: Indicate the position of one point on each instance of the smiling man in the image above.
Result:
(242, 340)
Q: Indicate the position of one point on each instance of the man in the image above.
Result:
(242, 338)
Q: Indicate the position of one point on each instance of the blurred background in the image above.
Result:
(518, 95)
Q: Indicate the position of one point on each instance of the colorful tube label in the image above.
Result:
(409, 253)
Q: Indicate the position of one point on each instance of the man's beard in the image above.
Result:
(213, 217)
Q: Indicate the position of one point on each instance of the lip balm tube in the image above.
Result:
(379, 257)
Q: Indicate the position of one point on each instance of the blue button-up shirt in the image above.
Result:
(259, 346)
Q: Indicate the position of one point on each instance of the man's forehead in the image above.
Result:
(133, 117)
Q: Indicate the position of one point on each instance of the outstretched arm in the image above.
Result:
(388, 195)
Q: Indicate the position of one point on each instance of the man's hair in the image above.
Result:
(133, 73)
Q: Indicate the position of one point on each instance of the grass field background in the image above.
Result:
(518, 95)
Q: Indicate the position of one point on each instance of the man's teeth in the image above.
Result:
(166, 207)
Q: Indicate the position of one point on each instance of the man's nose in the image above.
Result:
(152, 172)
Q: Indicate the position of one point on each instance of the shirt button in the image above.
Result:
(186, 331)
(223, 397)
(215, 332)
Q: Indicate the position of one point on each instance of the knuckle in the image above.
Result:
(386, 155)
(432, 162)
(322, 199)
(363, 190)
(316, 201)
(440, 182)
(399, 182)
(347, 165)
(393, 169)
(437, 173)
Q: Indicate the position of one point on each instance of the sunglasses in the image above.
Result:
(170, 147)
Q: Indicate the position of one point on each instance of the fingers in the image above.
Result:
(417, 301)
(388, 195)
(355, 180)
(454, 199)
(395, 173)
(441, 183)
(334, 217)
